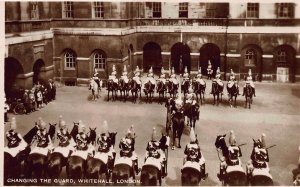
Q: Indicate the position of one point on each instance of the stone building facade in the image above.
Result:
(67, 40)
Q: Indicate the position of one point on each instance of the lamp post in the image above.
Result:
(225, 48)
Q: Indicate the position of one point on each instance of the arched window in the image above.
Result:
(99, 61)
(250, 57)
(282, 58)
(69, 60)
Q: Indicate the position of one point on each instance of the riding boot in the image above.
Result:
(163, 171)
(244, 91)
(203, 174)
(254, 92)
(136, 167)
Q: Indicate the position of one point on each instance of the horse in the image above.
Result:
(92, 136)
(172, 89)
(149, 91)
(55, 164)
(51, 130)
(135, 88)
(124, 88)
(74, 130)
(96, 165)
(161, 88)
(113, 88)
(233, 91)
(36, 164)
(216, 91)
(177, 127)
(248, 95)
(185, 87)
(150, 175)
(190, 177)
(192, 112)
(95, 89)
(76, 167)
(170, 103)
(199, 90)
(235, 177)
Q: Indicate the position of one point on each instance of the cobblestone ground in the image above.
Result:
(275, 112)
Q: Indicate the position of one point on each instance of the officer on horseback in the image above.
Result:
(186, 76)
(162, 76)
(218, 79)
(199, 77)
(249, 81)
(209, 70)
(234, 152)
(16, 143)
(96, 78)
(113, 74)
(105, 145)
(232, 81)
(173, 77)
(150, 76)
(193, 154)
(125, 75)
(153, 150)
(137, 74)
(127, 148)
(259, 156)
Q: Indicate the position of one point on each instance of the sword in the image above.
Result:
(271, 146)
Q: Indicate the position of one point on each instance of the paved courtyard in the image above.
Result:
(275, 112)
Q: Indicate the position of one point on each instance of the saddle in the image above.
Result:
(190, 164)
(62, 150)
(40, 150)
(101, 156)
(232, 168)
(262, 171)
(81, 154)
(153, 162)
(124, 160)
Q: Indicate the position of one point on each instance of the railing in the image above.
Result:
(35, 25)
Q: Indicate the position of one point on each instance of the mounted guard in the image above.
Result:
(150, 76)
(259, 163)
(96, 78)
(199, 78)
(186, 76)
(125, 75)
(15, 143)
(209, 70)
(173, 78)
(137, 74)
(249, 81)
(162, 76)
(193, 156)
(113, 75)
(155, 155)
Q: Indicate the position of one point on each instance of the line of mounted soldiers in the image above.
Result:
(31, 100)
(171, 85)
(88, 147)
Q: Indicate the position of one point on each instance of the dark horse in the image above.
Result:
(233, 91)
(149, 91)
(190, 177)
(235, 177)
(113, 88)
(124, 89)
(170, 103)
(199, 90)
(178, 127)
(216, 91)
(57, 160)
(192, 112)
(150, 174)
(161, 88)
(248, 95)
(185, 87)
(96, 166)
(135, 88)
(172, 89)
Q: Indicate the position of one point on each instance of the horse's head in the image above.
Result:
(220, 141)
(92, 134)
(160, 86)
(112, 136)
(51, 130)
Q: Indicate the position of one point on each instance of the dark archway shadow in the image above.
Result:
(209, 52)
(152, 57)
(37, 67)
(180, 57)
(12, 69)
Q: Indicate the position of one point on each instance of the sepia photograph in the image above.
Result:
(141, 93)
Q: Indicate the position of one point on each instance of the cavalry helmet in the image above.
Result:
(232, 140)
(263, 140)
(154, 135)
(192, 136)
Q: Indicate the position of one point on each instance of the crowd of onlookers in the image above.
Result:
(37, 97)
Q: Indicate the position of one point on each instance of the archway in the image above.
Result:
(37, 70)
(180, 57)
(152, 57)
(12, 69)
(209, 52)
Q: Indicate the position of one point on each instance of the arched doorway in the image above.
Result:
(209, 52)
(12, 69)
(152, 57)
(37, 70)
(180, 57)
(284, 60)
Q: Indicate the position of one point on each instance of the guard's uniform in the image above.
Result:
(209, 70)
(150, 76)
(44, 144)
(173, 79)
(199, 78)
(127, 150)
(15, 144)
(136, 77)
(66, 144)
(162, 76)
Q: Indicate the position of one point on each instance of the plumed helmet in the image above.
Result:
(42, 125)
(104, 129)
(154, 135)
(232, 140)
(185, 70)
(199, 70)
(209, 63)
(62, 124)
(250, 73)
(60, 119)
(218, 70)
(137, 68)
(13, 124)
(124, 69)
(39, 121)
(173, 70)
(192, 136)
(151, 70)
(81, 127)
(263, 140)
(162, 70)
(231, 72)
(114, 68)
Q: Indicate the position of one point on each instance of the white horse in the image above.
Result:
(95, 89)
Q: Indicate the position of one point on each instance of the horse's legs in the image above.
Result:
(174, 138)
(214, 99)
(235, 101)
